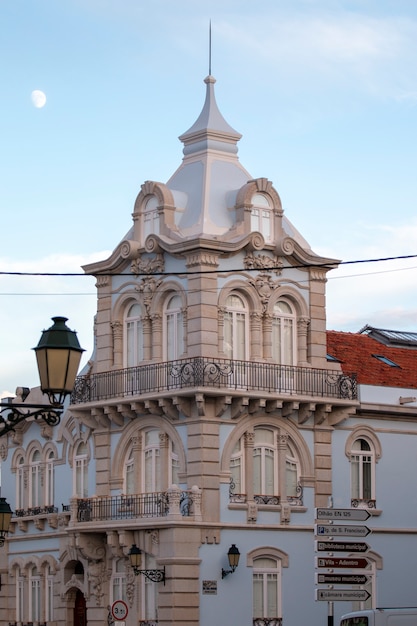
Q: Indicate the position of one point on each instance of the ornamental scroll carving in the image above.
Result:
(148, 266)
(263, 262)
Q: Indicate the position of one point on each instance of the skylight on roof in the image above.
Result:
(385, 360)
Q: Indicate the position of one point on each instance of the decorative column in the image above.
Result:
(302, 328)
(157, 337)
(117, 329)
(147, 338)
(136, 453)
(249, 440)
(256, 336)
(165, 460)
(267, 336)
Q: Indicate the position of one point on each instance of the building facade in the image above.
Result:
(212, 414)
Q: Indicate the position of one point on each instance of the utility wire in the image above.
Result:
(217, 271)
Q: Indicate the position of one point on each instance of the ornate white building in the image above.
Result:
(210, 416)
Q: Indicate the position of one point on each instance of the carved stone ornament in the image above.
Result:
(148, 288)
(97, 576)
(263, 262)
(153, 265)
(264, 285)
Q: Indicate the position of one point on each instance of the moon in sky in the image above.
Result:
(38, 98)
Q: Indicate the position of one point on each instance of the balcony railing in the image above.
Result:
(147, 505)
(218, 374)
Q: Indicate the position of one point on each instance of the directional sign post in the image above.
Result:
(342, 595)
(348, 515)
(345, 530)
(341, 546)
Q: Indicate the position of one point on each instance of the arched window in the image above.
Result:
(20, 596)
(81, 471)
(261, 216)
(129, 475)
(266, 472)
(284, 347)
(292, 470)
(149, 590)
(150, 466)
(20, 483)
(236, 328)
(237, 474)
(362, 460)
(151, 217)
(49, 594)
(151, 462)
(265, 466)
(266, 578)
(34, 595)
(49, 478)
(133, 333)
(173, 328)
(35, 478)
(118, 583)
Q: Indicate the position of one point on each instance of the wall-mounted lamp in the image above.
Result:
(5, 517)
(135, 557)
(233, 555)
(58, 355)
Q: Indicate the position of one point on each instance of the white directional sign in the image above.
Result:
(341, 546)
(354, 515)
(342, 595)
(341, 579)
(342, 530)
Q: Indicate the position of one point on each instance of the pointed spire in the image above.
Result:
(210, 130)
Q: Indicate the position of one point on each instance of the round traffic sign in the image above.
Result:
(119, 610)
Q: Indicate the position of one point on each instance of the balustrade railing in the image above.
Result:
(158, 504)
(36, 510)
(219, 373)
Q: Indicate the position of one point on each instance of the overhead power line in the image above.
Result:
(216, 271)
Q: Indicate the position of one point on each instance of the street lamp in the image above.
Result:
(135, 557)
(58, 356)
(5, 517)
(233, 555)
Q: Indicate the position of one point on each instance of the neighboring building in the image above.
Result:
(215, 412)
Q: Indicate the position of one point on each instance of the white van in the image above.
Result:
(406, 616)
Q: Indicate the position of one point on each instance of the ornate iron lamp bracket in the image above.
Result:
(19, 412)
(155, 575)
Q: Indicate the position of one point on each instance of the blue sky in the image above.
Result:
(324, 93)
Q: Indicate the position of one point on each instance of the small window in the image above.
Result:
(151, 217)
(385, 360)
(261, 216)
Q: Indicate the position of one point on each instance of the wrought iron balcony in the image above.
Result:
(222, 374)
(147, 505)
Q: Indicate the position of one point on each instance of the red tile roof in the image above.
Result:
(355, 350)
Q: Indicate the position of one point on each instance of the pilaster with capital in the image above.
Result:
(302, 330)
(117, 330)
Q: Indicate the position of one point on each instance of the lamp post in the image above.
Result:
(58, 356)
